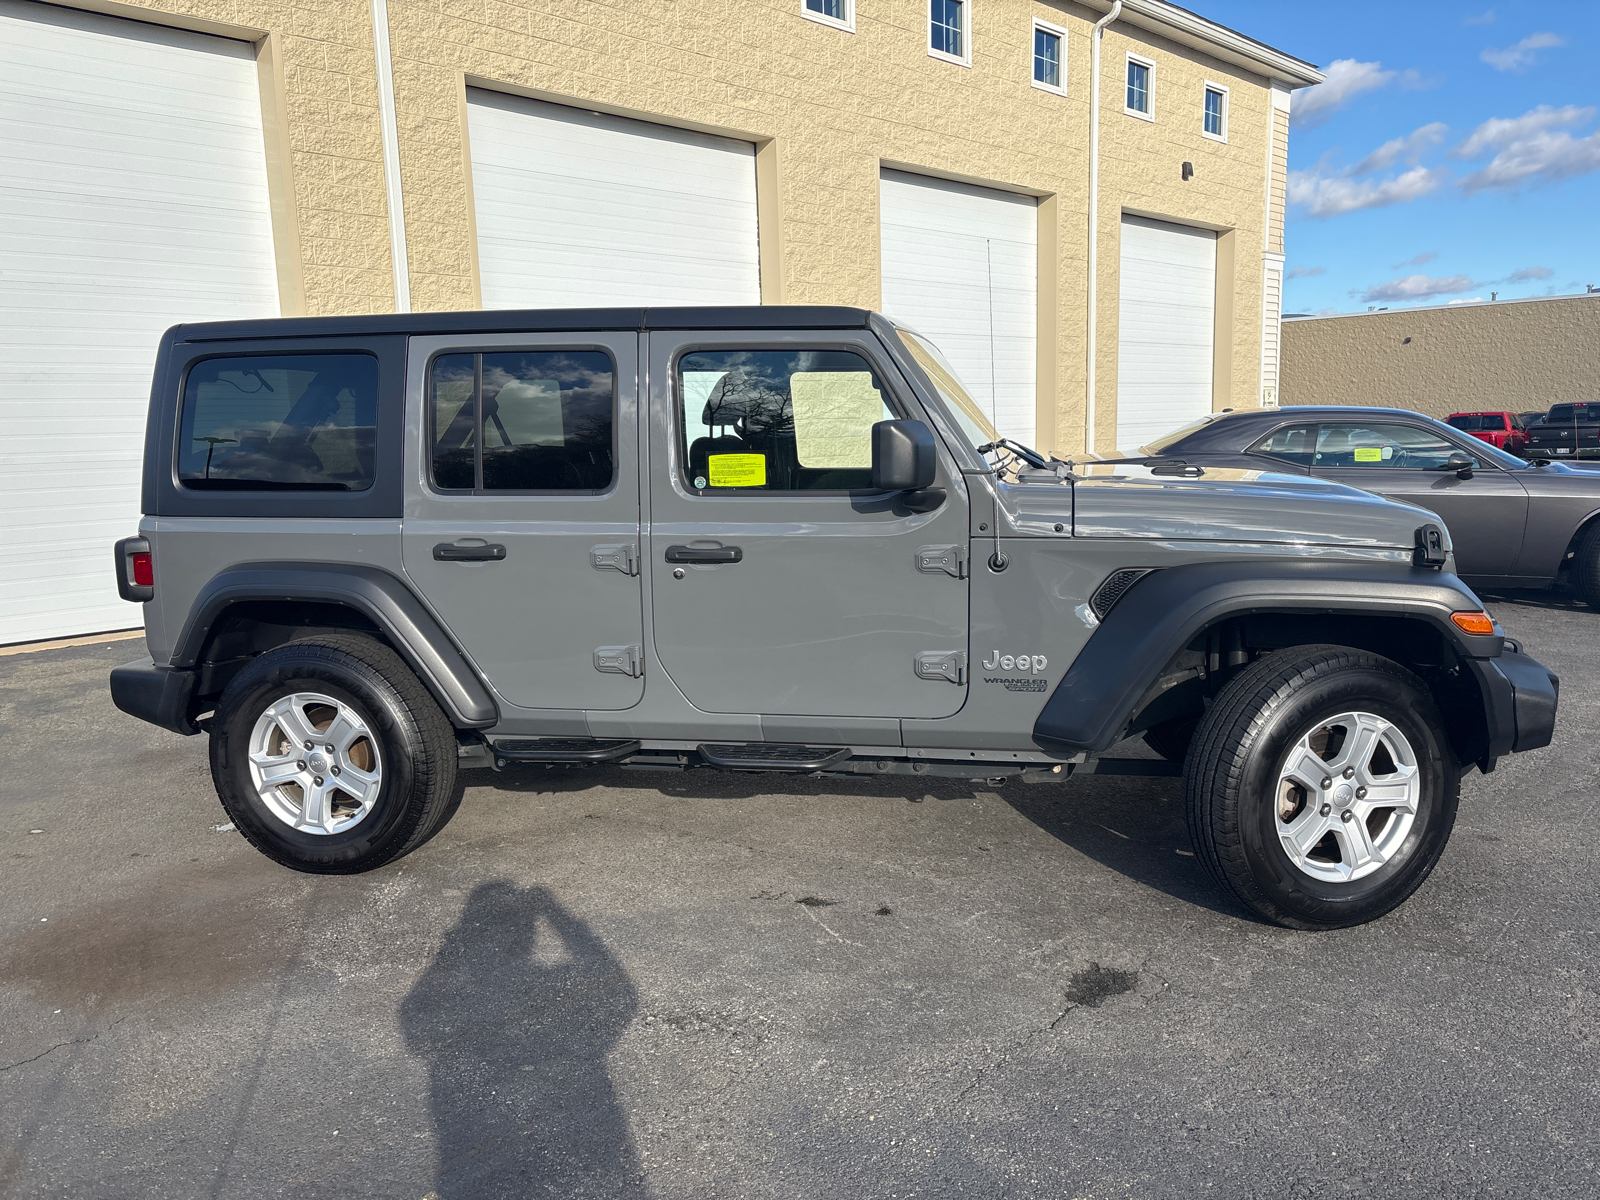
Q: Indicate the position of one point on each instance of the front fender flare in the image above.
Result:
(378, 595)
(1092, 706)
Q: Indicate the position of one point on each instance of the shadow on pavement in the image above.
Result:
(515, 1017)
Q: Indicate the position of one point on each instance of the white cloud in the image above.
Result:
(1484, 18)
(1346, 79)
(1527, 273)
(1469, 300)
(1325, 196)
(1409, 148)
(1523, 55)
(1417, 287)
(1427, 256)
(1543, 158)
(1306, 272)
(1499, 132)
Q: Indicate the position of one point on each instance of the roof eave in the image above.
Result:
(1191, 29)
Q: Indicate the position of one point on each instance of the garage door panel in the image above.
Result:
(578, 208)
(960, 265)
(1166, 328)
(133, 196)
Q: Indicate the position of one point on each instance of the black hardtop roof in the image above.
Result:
(532, 320)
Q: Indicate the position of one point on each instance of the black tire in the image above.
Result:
(1171, 739)
(1231, 782)
(415, 742)
(1586, 567)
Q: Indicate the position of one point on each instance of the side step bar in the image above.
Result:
(563, 750)
(772, 756)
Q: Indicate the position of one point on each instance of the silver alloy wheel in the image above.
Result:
(1347, 796)
(315, 764)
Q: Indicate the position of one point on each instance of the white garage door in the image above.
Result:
(133, 195)
(1166, 328)
(960, 266)
(576, 208)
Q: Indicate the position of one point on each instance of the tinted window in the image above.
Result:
(291, 422)
(1478, 422)
(1364, 445)
(1293, 444)
(1569, 413)
(524, 421)
(780, 420)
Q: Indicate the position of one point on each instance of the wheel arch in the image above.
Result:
(1580, 531)
(250, 608)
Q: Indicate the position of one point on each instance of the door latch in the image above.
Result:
(950, 666)
(952, 560)
(621, 557)
(619, 660)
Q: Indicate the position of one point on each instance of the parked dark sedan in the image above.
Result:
(1514, 523)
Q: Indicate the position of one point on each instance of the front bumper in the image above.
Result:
(1519, 702)
(158, 694)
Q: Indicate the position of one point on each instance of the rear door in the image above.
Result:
(780, 582)
(522, 511)
(1485, 514)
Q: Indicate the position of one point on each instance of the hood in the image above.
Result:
(1223, 505)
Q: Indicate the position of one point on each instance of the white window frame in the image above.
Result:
(1149, 91)
(1227, 101)
(1056, 31)
(848, 24)
(965, 60)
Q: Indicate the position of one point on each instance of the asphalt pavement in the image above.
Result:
(602, 983)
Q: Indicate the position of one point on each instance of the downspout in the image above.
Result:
(1094, 216)
(388, 127)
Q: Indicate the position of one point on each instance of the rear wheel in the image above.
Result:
(1321, 788)
(1586, 567)
(331, 757)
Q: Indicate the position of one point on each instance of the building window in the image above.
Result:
(1049, 71)
(947, 31)
(1216, 116)
(1141, 88)
(841, 14)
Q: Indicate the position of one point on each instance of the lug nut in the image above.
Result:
(1325, 810)
(1327, 783)
(1361, 793)
(1347, 815)
(336, 770)
(329, 749)
(309, 745)
(318, 782)
(1348, 771)
(301, 765)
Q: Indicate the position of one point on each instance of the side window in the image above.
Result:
(279, 422)
(523, 421)
(1362, 445)
(779, 420)
(1292, 444)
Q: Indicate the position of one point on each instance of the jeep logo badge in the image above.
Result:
(1033, 664)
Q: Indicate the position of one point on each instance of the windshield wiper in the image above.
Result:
(1026, 453)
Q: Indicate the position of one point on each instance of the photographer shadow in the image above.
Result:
(515, 1017)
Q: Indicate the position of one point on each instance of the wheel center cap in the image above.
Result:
(1344, 793)
(318, 764)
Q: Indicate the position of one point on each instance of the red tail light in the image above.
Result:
(144, 571)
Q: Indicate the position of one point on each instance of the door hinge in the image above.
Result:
(950, 666)
(620, 557)
(619, 660)
(952, 560)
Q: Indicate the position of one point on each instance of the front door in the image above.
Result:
(780, 582)
(1485, 514)
(521, 522)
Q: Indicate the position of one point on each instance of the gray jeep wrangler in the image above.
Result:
(377, 550)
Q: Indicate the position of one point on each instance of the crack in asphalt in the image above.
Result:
(60, 1045)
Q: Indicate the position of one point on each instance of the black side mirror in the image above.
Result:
(903, 456)
(1458, 462)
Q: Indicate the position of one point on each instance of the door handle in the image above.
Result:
(704, 554)
(449, 552)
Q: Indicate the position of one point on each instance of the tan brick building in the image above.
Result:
(1110, 274)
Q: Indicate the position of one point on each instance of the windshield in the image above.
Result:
(1177, 435)
(974, 425)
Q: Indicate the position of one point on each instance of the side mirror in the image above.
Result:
(1458, 462)
(903, 456)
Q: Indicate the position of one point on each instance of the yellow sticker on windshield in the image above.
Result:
(737, 470)
(1369, 454)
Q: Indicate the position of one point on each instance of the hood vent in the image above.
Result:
(1115, 588)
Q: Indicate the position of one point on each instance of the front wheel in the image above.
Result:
(1321, 787)
(1586, 567)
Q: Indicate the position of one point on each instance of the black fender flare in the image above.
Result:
(1158, 616)
(383, 598)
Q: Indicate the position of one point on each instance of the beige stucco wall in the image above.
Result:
(826, 108)
(1513, 356)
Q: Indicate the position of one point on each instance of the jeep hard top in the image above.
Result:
(377, 550)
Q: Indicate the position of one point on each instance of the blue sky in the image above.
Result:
(1453, 154)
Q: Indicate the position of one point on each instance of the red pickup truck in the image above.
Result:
(1503, 430)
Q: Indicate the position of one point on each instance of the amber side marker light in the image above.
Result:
(1473, 622)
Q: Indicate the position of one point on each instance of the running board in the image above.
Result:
(1131, 766)
(767, 756)
(563, 750)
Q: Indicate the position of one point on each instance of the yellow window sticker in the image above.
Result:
(738, 470)
(1369, 454)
